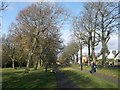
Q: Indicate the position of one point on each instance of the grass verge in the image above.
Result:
(105, 71)
(33, 79)
(84, 80)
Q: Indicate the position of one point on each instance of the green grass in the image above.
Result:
(33, 79)
(105, 71)
(109, 71)
(75, 65)
(84, 80)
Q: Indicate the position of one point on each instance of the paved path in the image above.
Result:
(105, 77)
(63, 81)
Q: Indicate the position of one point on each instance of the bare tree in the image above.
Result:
(78, 33)
(107, 24)
(90, 19)
(38, 23)
(3, 6)
(86, 28)
(100, 20)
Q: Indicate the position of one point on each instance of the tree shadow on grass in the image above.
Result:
(34, 79)
(86, 80)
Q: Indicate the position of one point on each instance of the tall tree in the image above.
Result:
(107, 24)
(3, 6)
(36, 24)
(78, 32)
(90, 19)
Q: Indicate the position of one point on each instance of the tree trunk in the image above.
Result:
(20, 63)
(94, 37)
(28, 63)
(103, 54)
(38, 64)
(103, 43)
(89, 52)
(13, 64)
(104, 49)
(13, 61)
(27, 66)
(30, 54)
(104, 60)
(93, 48)
(81, 56)
(93, 54)
(35, 64)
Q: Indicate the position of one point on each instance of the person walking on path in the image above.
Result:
(46, 66)
(93, 68)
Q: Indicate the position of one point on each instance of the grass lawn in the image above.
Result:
(33, 79)
(105, 71)
(109, 71)
(84, 80)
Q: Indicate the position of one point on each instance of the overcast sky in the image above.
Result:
(74, 7)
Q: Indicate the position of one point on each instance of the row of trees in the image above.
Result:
(94, 25)
(68, 53)
(35, 35)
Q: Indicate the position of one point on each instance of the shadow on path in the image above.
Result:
(63, 81)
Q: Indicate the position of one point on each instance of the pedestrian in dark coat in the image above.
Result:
(93, 68)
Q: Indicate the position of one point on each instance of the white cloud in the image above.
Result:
(113, 42)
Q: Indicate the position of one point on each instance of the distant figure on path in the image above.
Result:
(46, 66)
(93, 68)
